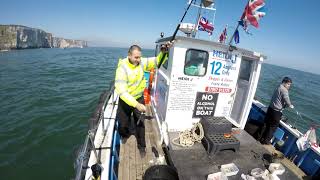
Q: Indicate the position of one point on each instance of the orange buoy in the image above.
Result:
(147, 90)
(151, 78)
(146, 96)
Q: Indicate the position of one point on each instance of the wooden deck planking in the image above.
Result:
(148, 156)
(125, 169)
(121, 159)
(131, 165)
(132, 157)
(139, 165)
(286, 162)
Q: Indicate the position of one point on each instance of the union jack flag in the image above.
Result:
(223, 36)
(205, 25)
(253, 11)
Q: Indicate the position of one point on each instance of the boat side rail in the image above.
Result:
(98, 114)
(305, 160)
(283, 122)
(93, 122)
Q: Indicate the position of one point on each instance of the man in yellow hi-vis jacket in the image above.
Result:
(129, 85)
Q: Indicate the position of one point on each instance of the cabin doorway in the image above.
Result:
(162, 87)
(242, 91)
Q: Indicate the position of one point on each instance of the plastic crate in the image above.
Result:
(215, 125)
(214, 143)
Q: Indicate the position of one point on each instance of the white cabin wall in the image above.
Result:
(161, 84)
(181, 102)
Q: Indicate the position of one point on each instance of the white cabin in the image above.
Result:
(204, 78)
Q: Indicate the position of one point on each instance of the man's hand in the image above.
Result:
(165, 47)
(141, 107)
(291, 106)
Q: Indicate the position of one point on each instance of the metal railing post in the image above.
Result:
(90, 134)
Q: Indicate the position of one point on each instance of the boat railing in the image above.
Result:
(96, 118)
(307, 161)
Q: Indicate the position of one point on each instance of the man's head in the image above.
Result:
(134, 54)
(286, 81)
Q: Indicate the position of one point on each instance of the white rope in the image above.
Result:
(188, 137)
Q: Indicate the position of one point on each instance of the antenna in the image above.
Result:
(175, 33)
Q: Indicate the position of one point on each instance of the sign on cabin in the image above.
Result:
(205, 104)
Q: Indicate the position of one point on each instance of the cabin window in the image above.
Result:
(245, 69)
(196, 62)
(156, 51)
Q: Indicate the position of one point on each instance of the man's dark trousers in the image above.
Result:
(272, 121)
(123, 116)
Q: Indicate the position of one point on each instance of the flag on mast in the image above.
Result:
(205, 25)
(253, 12)
(236, 37)
(223, 36)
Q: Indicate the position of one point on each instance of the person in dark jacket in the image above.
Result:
(279, 101)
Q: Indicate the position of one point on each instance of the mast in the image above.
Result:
(194, 33)
(204, 4)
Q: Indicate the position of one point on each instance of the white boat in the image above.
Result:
(202, 81)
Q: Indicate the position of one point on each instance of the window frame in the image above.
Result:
(156, 50)
(250, 62)
(205, 65)
(165, 65)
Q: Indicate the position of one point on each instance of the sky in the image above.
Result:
(288, 35)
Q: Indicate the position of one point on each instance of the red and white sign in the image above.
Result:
(218, 90)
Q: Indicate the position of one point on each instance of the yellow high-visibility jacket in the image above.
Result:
(130, 82)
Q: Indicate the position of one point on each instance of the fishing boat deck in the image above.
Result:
(194, 163)
(131, 165)
(286, 162)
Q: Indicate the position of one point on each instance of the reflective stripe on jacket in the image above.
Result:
(130, 82)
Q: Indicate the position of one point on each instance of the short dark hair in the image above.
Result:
(286, 80)
(134, 47)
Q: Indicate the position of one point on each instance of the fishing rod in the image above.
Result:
(175, 33)
(294, 124)
(312, 123)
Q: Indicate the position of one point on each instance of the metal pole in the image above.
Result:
(230, 42)
(175, 33)
(214, 18)
(90, 134)
(194, 33)
(102, 114)
(214, 15)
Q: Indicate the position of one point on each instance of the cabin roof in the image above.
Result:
(244, 52)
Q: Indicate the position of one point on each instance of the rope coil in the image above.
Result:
(187, 138)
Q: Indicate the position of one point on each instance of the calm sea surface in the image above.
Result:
(47, 96)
